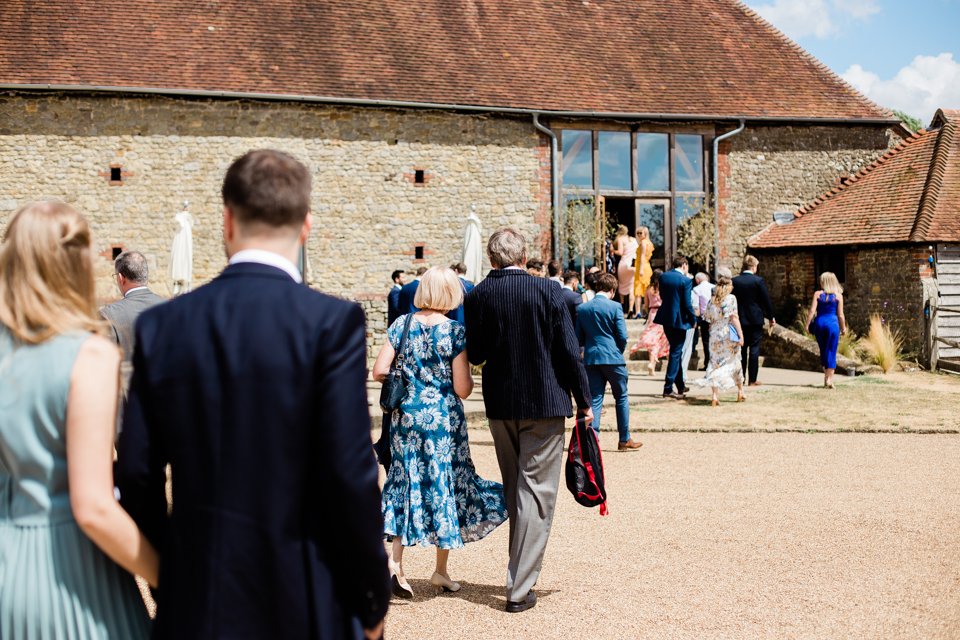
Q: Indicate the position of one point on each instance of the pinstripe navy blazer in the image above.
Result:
(519, 326)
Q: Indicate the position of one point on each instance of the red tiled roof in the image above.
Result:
(910, 194)
(691, 57)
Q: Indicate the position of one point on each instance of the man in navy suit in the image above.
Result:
(408, 292)
(570, 294)
(461, 270)
(675, 315)
(602, 332)
(753, 305)
(393, 298)
(253, 389)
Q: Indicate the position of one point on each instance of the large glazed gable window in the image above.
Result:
(577, 158)
(613, 150)
(688, 162)
(653, 162)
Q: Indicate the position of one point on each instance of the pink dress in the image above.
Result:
(653, 339)
(626, 268)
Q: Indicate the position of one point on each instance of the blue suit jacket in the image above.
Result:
(406, 296)
(676, 311)
(457, 314)
(393, 305)
(602, 331)
(573, 300)
(253, 389)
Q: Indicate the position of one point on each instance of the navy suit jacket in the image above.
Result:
(602, 331)
(676, 311)
(393, 305)
(753, 299)
(253, 389)
(457, 314)
(520, 327)
(406, 296)
(573, 300)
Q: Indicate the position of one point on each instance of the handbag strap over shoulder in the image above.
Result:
(399, 358)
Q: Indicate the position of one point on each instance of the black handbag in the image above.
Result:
(394, 387)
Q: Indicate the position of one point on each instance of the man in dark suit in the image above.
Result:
(676, 316)
(602, 332)
(253, 389)
(408, 292)
(571, 279)
(753, 304)
(461, 270)
(393, 298)
(520, 327)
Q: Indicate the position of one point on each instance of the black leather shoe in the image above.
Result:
(675, 396)
(517, 607)
(686, 389)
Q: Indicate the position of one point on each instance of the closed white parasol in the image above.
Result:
(181, 253)
(473, 249)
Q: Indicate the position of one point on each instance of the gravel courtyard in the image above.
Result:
(738, 535)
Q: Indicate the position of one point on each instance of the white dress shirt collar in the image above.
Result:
(129, 291)
(269, 258)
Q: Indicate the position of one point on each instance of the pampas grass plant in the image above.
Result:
(882, 344)
(849, 346)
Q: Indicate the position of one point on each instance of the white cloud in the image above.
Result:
(918, 89)
(818, 18)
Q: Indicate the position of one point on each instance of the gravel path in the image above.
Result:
(727, 535)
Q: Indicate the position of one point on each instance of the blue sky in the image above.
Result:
(902, 54)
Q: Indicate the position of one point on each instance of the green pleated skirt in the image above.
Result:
(55, 584)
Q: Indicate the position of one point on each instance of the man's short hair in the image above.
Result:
(749, 262)
(269, 188)
(459, 267)
(396, 274)
(506, 248)
(534, 263)
(422, 270)
(570, 276)
(605, 282)
(132, 266)
(678, 261)
(553, 268)
(701, 277)
(591, 280)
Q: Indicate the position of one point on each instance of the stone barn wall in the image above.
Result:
(371, 214)
(779, 168)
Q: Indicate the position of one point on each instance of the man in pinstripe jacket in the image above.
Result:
(518, 326)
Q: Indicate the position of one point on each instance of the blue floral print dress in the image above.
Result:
(432, 494)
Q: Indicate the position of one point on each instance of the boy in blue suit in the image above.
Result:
(676, 315)
(602, 332)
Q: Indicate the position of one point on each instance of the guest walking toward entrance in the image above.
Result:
(754, 305)
(625, 248)
(432, 494)
(520, 329)
(603, 335)
(641, 279)
(725, 371)
(827, 323)
(676, 316)
(653, 340)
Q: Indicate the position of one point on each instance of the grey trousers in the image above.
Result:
(530, 453)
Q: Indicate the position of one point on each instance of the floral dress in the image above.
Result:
(653, 339)
(724, 370)
(432, 494)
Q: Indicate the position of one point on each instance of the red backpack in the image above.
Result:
(584, 468)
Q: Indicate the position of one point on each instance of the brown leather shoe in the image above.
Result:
(755, 384)
(675, 396)
(629, 445)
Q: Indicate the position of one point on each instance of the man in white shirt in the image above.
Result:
(703, 289)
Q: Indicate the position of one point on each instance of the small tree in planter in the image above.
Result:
(580, 230)
(695, 236)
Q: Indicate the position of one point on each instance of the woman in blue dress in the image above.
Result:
(432, 494)
(67, 548)
(826, 323)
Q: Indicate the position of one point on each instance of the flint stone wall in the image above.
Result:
(370, 213)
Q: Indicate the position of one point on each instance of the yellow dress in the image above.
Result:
(641, 279)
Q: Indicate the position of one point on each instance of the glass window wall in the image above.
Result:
(613, 157)
(653, 162)
(577, 158)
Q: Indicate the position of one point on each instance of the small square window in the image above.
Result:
(418, 252)
(116, 251)
(418, 176)
(116, 174)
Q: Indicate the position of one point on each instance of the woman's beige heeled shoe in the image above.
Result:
(443, 583)
(714, 403)
(652, 368)
(399, 589)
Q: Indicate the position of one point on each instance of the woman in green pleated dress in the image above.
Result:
(67, 548)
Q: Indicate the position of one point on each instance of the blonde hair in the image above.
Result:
(46, 273)
(643, 232)
(622, 230)
(440, 289)
(829, 283)
(722, 290)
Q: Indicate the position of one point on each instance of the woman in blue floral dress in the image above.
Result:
(432, 494)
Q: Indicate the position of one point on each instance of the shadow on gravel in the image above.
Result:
(482, 594)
